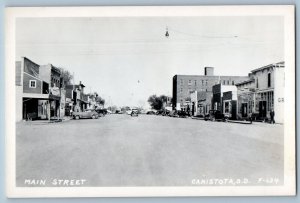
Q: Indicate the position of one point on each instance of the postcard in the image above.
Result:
(150, 101)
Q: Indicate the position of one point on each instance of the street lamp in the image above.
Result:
(167, 33)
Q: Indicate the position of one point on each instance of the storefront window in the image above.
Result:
(226, 107)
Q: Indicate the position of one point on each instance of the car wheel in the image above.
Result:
(213, 119)
(77, 117)
(93, 116)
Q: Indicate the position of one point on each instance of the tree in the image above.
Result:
(66, 76)
(100, 100)
(157, 102)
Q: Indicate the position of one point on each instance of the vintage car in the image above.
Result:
(134, 112)
(214, 115)
(85, 114)
(101, 112)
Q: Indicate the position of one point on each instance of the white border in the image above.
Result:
(151, 11)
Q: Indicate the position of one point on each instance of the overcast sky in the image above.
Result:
(128, 59)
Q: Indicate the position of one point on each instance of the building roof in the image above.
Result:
(245, 82)
(212, 76)
(279, 64)
(55, 69)
(31, 61)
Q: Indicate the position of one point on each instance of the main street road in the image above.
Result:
(120, 150)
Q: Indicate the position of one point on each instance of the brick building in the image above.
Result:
(184, 85)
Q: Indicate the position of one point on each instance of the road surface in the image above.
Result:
(148, 150)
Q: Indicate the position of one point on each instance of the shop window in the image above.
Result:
(226, 107)
(32, 83)
(256, 82)
(269, 79)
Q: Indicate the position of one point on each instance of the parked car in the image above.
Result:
(150, 112)
(173, 114)
(159, 112)
(166, 113)
(85, 114)
(101, 112)
(183, 114)
(134, 112)
(214, 115)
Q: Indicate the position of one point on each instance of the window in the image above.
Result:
(202, 82)
(206, 82)
(226, 107)
(32, 83)
(269, 79)
(195, 82)
(223, 82)
(190, 82)
(232, 82)
(227, 82)
(256, 82)
(181, 81)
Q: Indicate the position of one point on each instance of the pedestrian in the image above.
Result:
(250, 117)
(272, 115)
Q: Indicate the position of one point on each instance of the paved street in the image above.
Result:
(119, 150)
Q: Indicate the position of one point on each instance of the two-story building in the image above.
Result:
(263, 92)
(76, 100)
(34, 92)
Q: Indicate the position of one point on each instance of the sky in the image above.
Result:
(127, 59)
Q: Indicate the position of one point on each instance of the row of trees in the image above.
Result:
(67, 78)
(157, 102)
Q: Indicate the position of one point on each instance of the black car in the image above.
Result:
(101, 112)
(182, 114)
(150, 112)
(214, 115)
(159, 112)
(134, 112)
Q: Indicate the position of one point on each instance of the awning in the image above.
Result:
(41, 96)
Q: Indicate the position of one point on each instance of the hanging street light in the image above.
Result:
(167, 33)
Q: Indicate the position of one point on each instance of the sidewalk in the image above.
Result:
(229, 121)
(52, 120)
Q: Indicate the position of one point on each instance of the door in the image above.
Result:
(262, 109)
(244, 109)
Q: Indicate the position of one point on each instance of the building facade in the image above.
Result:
(201, 103)
(76, 99)
(229, 107)
(184, 85)
(262, 93)
(218, 95)
(35, 98)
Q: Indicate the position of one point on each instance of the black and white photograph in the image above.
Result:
(150, 101)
